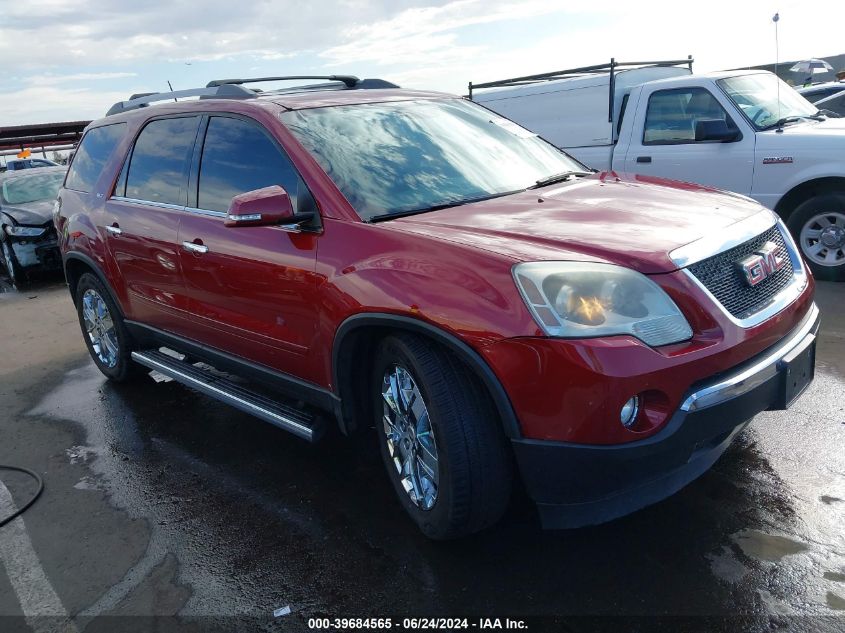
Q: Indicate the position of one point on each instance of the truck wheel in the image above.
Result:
(13, 268)
(105, 334)
(818, 226)
(440, 439)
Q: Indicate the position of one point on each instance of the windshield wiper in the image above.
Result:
(788, 119)
(561, 177)
(436, 207)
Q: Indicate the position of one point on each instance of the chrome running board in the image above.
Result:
(300, 423)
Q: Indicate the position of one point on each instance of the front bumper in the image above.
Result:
(580, 484)
(41, 252)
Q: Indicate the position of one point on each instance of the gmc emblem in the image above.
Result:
(765, 261)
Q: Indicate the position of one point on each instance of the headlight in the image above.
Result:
(580, 300)
(25, 231)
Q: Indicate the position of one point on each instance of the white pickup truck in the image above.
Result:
(743, 131)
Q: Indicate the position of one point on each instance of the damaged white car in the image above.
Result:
(27, 235)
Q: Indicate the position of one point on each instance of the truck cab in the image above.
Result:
(741, 131)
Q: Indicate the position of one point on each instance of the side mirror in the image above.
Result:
(263, 207)
(715, 130)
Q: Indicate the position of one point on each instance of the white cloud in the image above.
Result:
(50, 79)
(41, 104)
(645, 30)
(438, 44)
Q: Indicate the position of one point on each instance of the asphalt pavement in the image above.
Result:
(178, 511)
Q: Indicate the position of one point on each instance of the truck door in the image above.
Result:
(252, 290)
(141, 221)
(665, 142)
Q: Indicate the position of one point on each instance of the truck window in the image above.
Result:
(88, 161)
(239, 156)
(622, 109)
(672, 114)
(158, 169)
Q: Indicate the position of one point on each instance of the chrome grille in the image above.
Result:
(722, 276)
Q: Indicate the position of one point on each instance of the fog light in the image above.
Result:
(628, 414)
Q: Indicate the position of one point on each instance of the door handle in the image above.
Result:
(194, 247)
(114, 229)
(643, 159)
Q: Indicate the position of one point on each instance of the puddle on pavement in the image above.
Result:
(725, 566)
(835, 602)
(767, 547)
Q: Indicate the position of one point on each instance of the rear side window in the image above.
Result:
(158, 169)
(240, 156)
(91, 156)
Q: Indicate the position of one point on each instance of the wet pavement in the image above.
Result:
(160, 501)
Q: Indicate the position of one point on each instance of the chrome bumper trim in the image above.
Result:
(756, 374)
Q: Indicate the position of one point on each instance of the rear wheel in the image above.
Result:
(13, 268)
(105, 334)
(440, 439)
(818, 226)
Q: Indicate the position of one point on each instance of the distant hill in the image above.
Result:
(798, 79)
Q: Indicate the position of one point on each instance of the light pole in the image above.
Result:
(776, 19)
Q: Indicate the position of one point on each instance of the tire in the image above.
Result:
(13, 268)
(109, 343)
(473, 465)
(818, 226)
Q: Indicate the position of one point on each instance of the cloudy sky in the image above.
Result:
(70, 60)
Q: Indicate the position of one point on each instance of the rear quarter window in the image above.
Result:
(91, 156)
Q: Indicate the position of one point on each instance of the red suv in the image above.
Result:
(353, 254)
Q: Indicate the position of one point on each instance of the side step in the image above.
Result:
(296, 421)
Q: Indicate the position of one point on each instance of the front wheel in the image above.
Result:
(818, 226)
(440, 439)
(13, 268)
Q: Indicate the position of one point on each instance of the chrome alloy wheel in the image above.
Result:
(410, 439)
(100, 328)
(823, 239)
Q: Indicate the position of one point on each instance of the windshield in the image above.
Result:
(765, 99)
(394, 158)
(32, 188)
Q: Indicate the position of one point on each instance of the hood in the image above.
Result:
(827, 134)
(633, 221)
(32, 213)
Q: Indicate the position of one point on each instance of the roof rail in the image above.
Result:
(563, 74)
(350, 80)
(141, 100)
(610, 68)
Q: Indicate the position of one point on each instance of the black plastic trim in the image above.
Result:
(146, 335)
(584, 484)
(510, 422)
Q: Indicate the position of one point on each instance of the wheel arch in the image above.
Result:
(360, 333)
(76, 265)
(806, 190)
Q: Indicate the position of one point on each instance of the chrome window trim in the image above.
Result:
(173, 207)
(718, 242)
(149, 203)
(207, 212)
(753, 376)
(778, 302)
